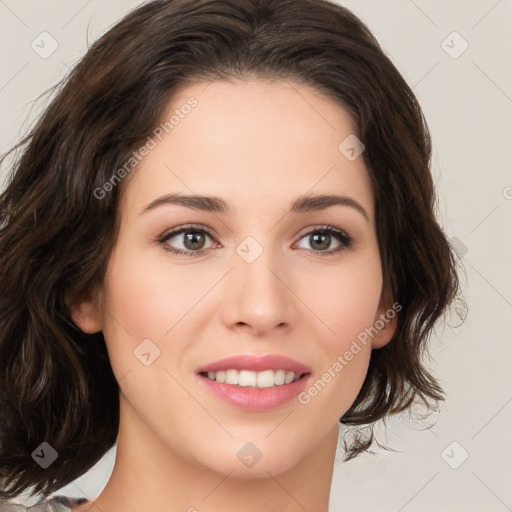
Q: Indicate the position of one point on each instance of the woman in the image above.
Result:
(218, 244)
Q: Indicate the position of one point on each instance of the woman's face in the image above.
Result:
(254, 278)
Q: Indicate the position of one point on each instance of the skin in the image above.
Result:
(259, 145)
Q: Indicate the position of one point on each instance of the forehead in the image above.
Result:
(253, 143)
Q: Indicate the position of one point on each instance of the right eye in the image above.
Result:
(192, 239)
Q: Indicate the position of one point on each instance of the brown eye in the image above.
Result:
(321, 238)
(193, 240)
(190, 240)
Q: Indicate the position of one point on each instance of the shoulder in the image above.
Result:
(46, 504)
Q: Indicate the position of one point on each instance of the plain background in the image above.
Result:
(467, 101)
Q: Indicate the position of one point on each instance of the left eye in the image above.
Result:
(193, 239)
(321, 239)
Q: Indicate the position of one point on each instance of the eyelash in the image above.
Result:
(345, 240)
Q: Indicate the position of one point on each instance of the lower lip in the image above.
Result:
(255, 399)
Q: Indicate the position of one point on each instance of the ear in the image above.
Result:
(85, 311)
(385, 320)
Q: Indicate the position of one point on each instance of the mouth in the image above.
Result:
(254, 383)
(253, 379)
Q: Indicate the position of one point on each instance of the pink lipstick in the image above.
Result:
(255, 383)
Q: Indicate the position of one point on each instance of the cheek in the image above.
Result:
(345, 300)
(151, 300)
(135, 313)
(148, 300)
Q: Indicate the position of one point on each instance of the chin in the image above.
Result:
(246, 463)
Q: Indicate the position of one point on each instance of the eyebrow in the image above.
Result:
(305, 204)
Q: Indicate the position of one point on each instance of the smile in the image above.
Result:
(254, 383)
(248, 378)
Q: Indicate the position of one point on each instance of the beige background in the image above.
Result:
(468, 104)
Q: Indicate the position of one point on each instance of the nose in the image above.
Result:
(259, 296)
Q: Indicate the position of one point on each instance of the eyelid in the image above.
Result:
(323, 227)
(346, 241)
(161, 239)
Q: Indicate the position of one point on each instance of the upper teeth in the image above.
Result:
(265, 379)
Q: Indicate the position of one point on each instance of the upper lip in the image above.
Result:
(256, 364)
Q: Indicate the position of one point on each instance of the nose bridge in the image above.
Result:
(257, 292)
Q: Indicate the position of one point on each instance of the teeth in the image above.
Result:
(231, 377)
(247, 378)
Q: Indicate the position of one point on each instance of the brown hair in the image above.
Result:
(56, 382)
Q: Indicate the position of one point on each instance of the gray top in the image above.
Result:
(46, 504)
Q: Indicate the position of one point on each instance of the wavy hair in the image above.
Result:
(56, 382)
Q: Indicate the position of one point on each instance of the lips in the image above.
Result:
(256, 364)
(266, 395)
